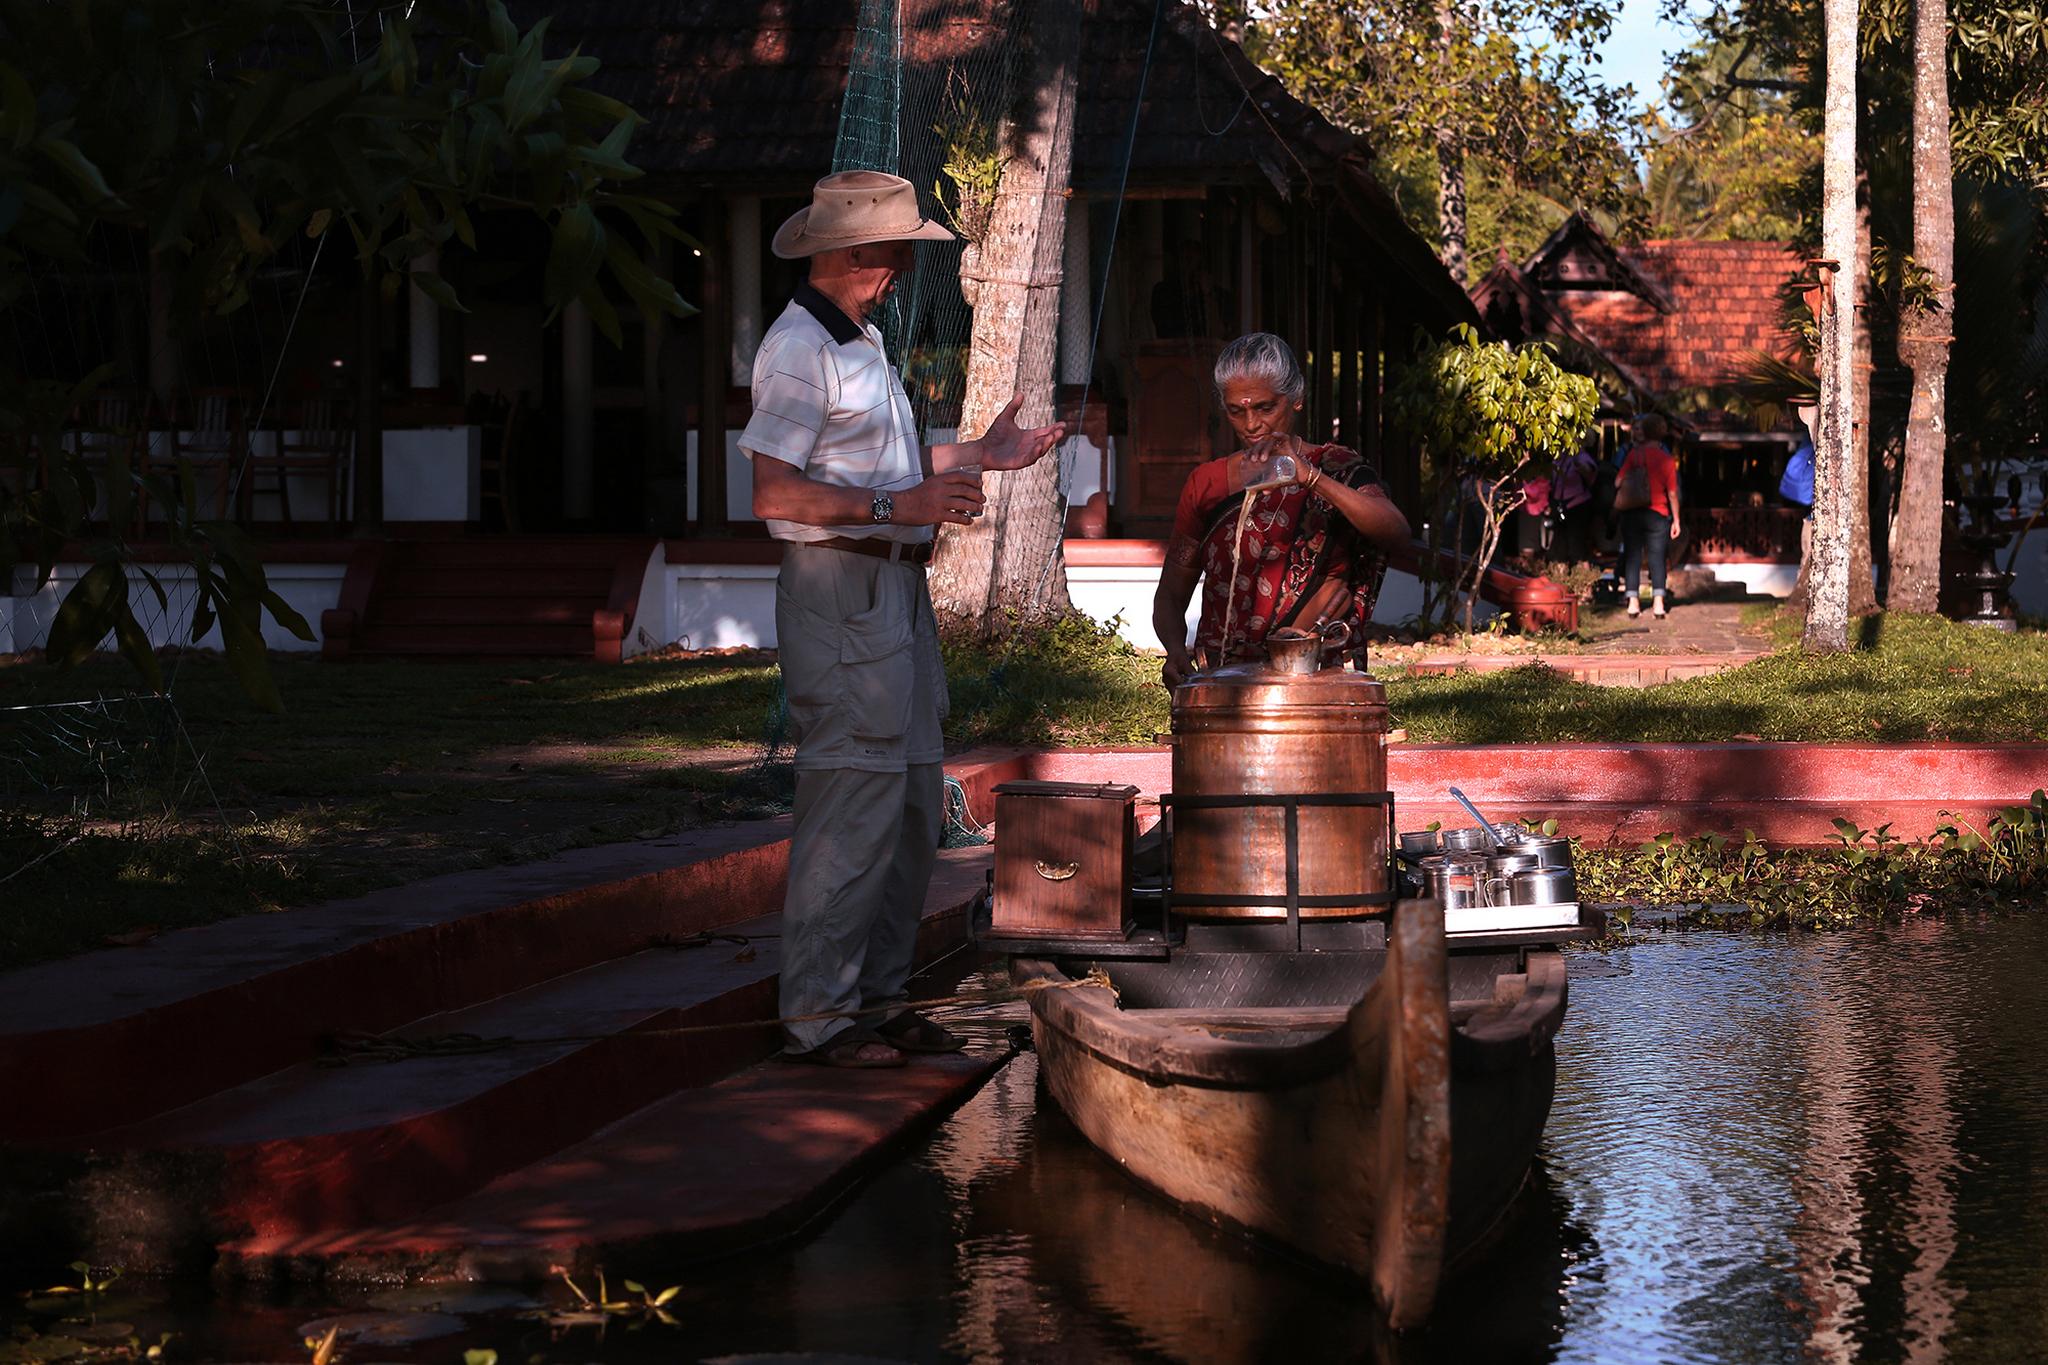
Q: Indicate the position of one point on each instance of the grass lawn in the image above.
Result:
(381, 773)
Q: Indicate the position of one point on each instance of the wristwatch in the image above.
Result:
(883, 509)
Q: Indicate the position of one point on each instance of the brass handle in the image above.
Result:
(1057, 872)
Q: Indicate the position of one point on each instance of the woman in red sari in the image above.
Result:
(1312, 549)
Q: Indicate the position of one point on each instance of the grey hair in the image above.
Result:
(1265, 359)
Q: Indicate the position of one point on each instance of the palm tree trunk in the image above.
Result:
(1010, 566)
(1925, 325)
(1862, 583)
(1827, 611)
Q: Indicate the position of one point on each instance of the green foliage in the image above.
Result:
(1733, 161)
(1859, 873)
(1487, 411)
(212, 134)
(1491, 408)
(1508, 84)
(1998, 71)
(1068, 682)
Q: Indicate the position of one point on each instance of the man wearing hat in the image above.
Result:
(841, 477)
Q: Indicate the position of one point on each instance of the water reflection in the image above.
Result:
(1762, 1149)
(1810, 1148)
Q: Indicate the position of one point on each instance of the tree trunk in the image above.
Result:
(1925, 327)
(1450, 204)
(1010, 565)
(1450, 170)
(1827, 609)
(1862, 584)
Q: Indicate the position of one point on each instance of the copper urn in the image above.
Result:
(1283, 727)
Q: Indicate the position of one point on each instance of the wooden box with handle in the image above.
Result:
(1063, 860)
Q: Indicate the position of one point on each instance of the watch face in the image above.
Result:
(884, 507)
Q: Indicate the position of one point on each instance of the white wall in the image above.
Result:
(719, 606)
(310, 589)
(2030, 574)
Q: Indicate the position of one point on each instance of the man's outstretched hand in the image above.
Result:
(1005, 445)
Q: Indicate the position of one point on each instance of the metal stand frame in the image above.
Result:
(1290, 804)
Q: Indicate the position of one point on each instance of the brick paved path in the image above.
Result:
(1692, 628)
(1697, 638)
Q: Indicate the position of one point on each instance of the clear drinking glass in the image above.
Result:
(1279, 470)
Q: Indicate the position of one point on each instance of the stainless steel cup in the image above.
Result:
(1419, 843)
(1455, 882)
(1471, 840)
(1548, 852)
(1543, 886)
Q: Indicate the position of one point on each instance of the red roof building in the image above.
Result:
(1667, 326)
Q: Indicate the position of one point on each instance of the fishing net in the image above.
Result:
(931, 115)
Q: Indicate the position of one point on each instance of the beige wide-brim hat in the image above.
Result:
(854, 208)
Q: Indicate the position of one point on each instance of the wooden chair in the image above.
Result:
(113, 426)
(496, 477)
(209, 433)
(318, 442)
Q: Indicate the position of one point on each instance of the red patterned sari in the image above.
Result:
(1297, 551)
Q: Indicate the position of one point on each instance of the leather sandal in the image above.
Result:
(913, 1032)
(844, 1049)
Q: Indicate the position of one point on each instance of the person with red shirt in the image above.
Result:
(1309, 551)
(1650, 470)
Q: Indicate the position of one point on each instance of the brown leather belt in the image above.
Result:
(895, 551)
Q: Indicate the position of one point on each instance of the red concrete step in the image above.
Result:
(426, 605)
(109, 1037)
(516, 551)
(472, 638)
(503, 581)
(495, 596)
(701, 1173)
(314, 1148)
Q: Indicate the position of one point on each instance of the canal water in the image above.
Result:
(1811, 1148)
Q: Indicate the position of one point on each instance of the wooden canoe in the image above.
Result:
(1375, 1109)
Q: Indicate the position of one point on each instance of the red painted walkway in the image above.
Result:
(707, 1171)
(1787, 793)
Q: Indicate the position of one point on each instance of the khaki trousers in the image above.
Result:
(867, 691)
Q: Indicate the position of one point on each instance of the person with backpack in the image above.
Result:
(1573, 484)
(1646, 497)
(1795, 486)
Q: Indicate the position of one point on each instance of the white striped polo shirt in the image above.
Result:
(826, 401)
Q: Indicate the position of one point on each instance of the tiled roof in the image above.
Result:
(739, 91)
(747, 96)
(1726, 301)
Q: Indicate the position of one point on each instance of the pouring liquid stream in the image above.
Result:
(1277, 474)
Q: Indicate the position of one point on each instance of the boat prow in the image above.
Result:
(1376, 1108)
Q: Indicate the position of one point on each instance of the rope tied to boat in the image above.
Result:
(354, 1048)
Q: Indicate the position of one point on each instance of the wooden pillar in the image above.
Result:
(164, 377)
(653, 336)
(369, 491)
(743, 281)
(1248, 259)
(1372, 379)
(423, 329)
(716, 351)
(1346, 331)
(579, 415)
(1321, 331)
